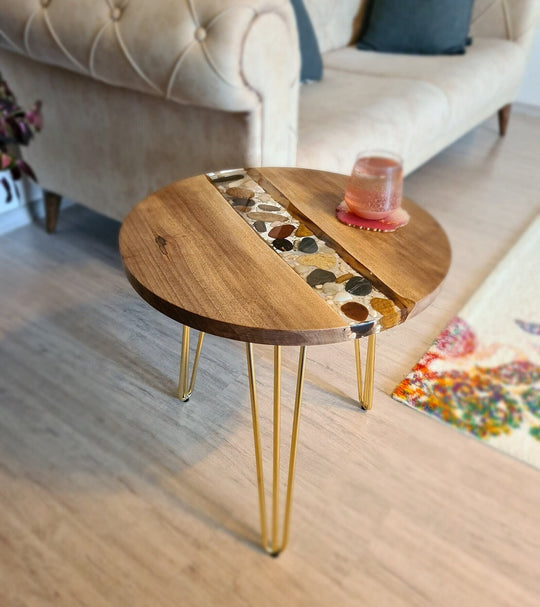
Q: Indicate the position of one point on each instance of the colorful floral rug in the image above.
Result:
(482, 374)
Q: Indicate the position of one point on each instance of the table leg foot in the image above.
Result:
(365, 392)
(184, 392)
(274, 547)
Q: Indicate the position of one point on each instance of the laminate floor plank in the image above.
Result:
(112, 492)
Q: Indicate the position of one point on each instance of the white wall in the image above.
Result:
(530, 88)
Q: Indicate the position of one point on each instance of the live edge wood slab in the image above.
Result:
(190, 255)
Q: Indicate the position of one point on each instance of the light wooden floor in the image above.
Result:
(114, 493)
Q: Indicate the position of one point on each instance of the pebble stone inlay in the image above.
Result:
(282, 244)
(348, 292)
(281, 231)
(308, 245)
(358, 285)
(243, 202)
(320, 277)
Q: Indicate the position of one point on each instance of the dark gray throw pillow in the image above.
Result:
(417, 27)
(309, 47)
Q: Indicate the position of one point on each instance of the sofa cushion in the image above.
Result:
(425, 27)
(468, 82)
(336, 23)
(345, 113)
(309, 49)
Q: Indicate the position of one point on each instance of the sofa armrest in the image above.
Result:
(227, 55)
(189, 51)
(515, 20)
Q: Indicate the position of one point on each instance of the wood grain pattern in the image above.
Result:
(411, 262)
(188, 254)
(112, 493)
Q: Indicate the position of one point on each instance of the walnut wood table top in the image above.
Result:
(258, 255)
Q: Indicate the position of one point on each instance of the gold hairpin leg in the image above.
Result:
(365, 392)
(183, 391)
(274, 547)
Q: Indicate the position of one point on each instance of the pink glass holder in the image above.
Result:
(396, 219)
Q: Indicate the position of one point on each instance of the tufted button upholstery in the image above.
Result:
(515, 20)
(116, 13)
(189, 51)
(200, 34)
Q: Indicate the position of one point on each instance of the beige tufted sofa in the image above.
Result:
(139, 93)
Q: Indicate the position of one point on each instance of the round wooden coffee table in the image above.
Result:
(257, 255)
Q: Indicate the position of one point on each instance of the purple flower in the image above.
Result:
(17, 128)
(5, 161)
(34, 116)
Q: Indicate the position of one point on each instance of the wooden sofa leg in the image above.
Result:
(52, 207)
(504, 117)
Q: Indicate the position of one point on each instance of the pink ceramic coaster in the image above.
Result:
(390, 223)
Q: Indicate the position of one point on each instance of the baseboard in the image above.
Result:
(16, 218)
(527, 109)
(25, 214)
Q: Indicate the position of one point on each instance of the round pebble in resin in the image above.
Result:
(320, 277)
(358, 285)
(383, 306)
(260, 216)
(319, 260)
(355, 311)
(223, 178)
(303, 231)
(282, 244)
(242, 202)
(344, 277)
(268, 207)
(260, 226)
(241, 209)
(281, 231)
(331, 288)
(364, 328)
(390, 320)
(308, 245)
(240, 193)
(342, 297)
